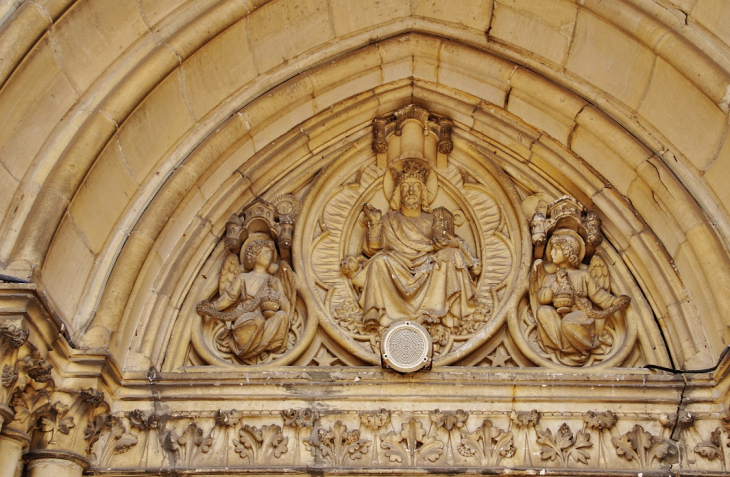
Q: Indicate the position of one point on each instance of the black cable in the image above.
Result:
(691, 371)
(9, 279)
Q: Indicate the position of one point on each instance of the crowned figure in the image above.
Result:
(571, 301)
(413, 266)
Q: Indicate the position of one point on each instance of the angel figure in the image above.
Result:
(572, 301)
(257, 298)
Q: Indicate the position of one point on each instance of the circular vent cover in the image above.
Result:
(406, 347)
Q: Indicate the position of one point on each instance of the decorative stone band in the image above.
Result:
(562, 443)
(47, 454)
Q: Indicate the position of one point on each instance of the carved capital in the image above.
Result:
(13, 336)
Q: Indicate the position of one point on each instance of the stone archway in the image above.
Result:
(124, 163)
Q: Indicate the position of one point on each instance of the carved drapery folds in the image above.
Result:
(421, 233)
(574, 318)
(254, 317)
(424, 229)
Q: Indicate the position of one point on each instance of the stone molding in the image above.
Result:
(339, 426)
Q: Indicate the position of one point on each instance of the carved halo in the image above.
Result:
(253, 239)
(390, 178)
(572, 233)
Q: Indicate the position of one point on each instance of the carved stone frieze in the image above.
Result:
(455, 438)
(644, 448)
(13, 336)
(64, 417)
(190, 444)
(118, 439)
(564, 446)
(487, 445)
(711, 449)
(260, 446)
(412, 446)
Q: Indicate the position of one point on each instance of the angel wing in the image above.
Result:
(229, 270)
(599, 271)
(288, 282)
(537, 276)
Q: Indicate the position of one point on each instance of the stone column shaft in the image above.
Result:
(12, 444)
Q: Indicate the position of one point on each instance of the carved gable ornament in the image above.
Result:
(423, 233)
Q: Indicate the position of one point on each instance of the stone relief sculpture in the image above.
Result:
(254, 310)
(262, 306)
(412, 265)
(571, 301)
(404, 235)
(413, 228)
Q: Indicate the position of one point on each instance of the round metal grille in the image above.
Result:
(406, 347)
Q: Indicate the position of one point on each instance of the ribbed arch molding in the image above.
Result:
(282, 135)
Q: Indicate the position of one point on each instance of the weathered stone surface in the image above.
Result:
(156, 10)
(308, 24)
(717, 174)
(218, 69)
(90, 37)
(66, 279)
(543, 105)
(488, 80)
(610, 59)
(349, 18)
(112, 178)
(155, 126)
(31, 105)
(541, 28)
(474, 15)
(680, 111)
(713, 15)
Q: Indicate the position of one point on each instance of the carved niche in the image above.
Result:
(578, 311)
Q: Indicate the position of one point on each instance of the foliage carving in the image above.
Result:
(412, 446)
(487, 445)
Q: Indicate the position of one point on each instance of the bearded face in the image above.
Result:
(411, 193)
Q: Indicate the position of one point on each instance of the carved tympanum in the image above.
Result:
(422, 233)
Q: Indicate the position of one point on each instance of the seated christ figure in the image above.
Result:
(416, 268)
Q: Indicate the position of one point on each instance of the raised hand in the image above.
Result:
(372, 214)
